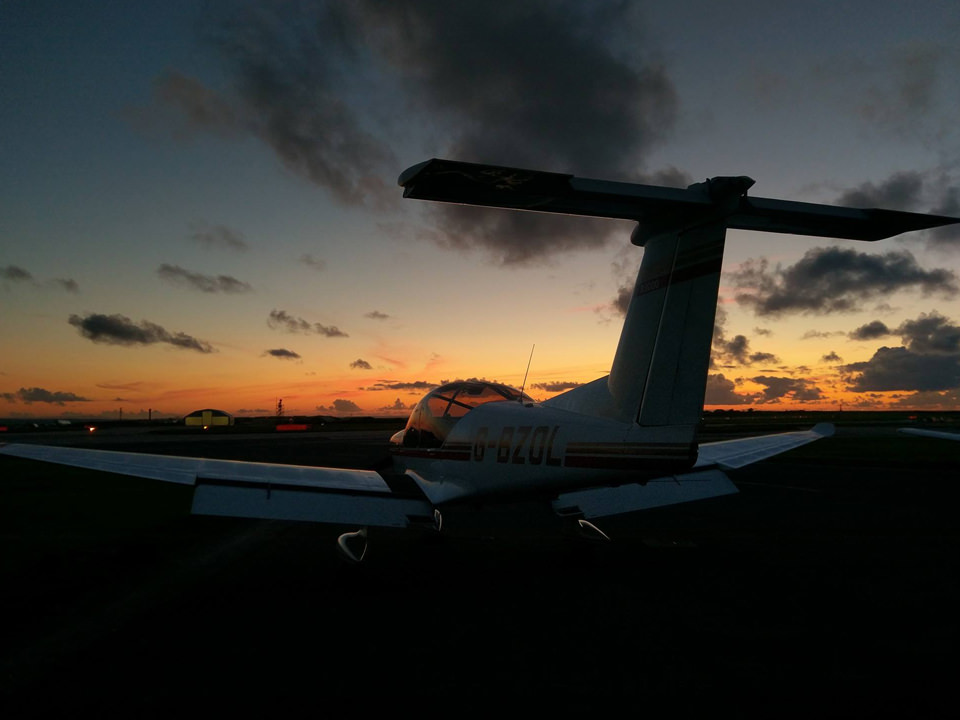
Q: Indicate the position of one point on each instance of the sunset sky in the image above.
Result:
(199, 208)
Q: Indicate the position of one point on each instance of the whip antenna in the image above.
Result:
(520, 399)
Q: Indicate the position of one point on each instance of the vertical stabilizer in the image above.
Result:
(659, 371)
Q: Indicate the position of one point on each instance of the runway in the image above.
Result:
(828, 585)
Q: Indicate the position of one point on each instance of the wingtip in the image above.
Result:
(824, 429)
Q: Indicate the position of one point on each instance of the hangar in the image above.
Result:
(208, 418)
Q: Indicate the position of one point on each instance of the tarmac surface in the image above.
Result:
(828, 586)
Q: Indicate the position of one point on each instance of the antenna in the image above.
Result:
(520, 399)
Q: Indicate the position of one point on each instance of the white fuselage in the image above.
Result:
(507, 447)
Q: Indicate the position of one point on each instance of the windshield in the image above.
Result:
(438, 411)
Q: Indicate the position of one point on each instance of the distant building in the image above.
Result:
(208, 418)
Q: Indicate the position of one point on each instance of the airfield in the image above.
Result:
(829, 586)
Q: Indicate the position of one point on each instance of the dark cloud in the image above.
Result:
(397, 405)
(120, 330)
(563, 86)
(15, 273)
(68, 284)
(36, 394)
(935, 191)
(928, 361)
(735, 351)
(779, 388)
(342, 406)
(931, 334)
(361, 364)
(376, 315)
(417, 385)
(218, 237)
(204, 283)
(558, 386)
(870, 331)
(897, 368)
(282, 354)
(827, 280)
(282, 320)
(621, 302)
(313, 263)
(721, 391)
(762, 357)
(766, 332)
(831, 357)
(947, 236)
(901, 191)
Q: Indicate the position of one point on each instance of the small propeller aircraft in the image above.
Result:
(624, 442)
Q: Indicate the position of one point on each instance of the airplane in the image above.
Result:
(621, 443)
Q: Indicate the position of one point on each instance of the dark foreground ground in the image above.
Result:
(828, 587)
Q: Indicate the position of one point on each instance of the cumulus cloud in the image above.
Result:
(282, 354)
(930, 333)
(564, 86)
(831, 357)
(736, 350)
(204, 283)
(929, 359)
(41, 395)
(347, 407)
(831, 279)
(870, 331)
(397, 405)
(361, 364)
(282, 320)
(121, 330)
(376, 315)
(218, 237)
(779, 388)
(897, 368)
(721, 391)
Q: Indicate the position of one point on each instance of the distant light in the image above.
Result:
(91, 428)
(205, 427)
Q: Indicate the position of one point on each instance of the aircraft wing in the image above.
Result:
(732, 454)
(705, 480)
(931, 433)
(254, 490)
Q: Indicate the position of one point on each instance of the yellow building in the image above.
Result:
(208, 418)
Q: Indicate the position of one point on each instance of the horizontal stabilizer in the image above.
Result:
(731, 454)
(671, 490)
(657, 209)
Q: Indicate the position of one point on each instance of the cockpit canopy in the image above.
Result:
(441, 409)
